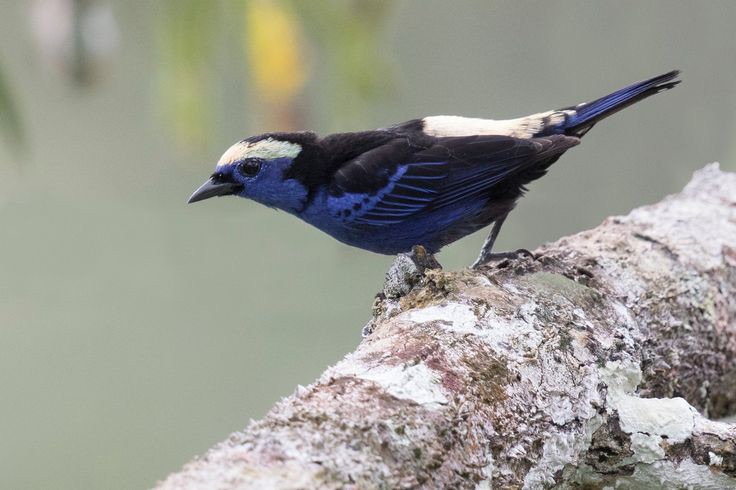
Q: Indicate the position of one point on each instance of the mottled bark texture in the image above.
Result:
(596, 363)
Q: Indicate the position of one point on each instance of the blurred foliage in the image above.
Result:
(277, 60)
(273, 43)
(75, 39)
(81, 69)
(186, 41)
(275, 40)
(10, 122)
(350, 34)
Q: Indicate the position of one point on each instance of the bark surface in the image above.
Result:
(599, 362)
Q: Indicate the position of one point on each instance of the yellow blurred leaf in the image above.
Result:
(274, 43)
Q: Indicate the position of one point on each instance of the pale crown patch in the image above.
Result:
(268, 149)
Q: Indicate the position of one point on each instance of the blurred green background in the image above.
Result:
(136, 331)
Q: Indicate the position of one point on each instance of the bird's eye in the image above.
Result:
(250, 167)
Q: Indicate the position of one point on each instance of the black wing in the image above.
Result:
(398, 179)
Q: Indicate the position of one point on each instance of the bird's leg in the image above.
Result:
(486, 255)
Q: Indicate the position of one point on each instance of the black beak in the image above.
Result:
(212, 188)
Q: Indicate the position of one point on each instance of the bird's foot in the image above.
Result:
(423, 259)
(483, 259)
(406, 271)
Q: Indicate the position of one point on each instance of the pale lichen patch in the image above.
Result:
(672, 418)
(666, 417)
(461, 317)
(667, 474)
(416, 383)
(714, 459)
(646, 448)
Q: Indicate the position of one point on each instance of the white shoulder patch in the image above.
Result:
(523, 127)
(267, 149)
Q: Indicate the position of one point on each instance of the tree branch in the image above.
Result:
(590, 364)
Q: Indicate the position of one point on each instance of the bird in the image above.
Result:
(426, 182)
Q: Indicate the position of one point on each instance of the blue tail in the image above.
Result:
(586, 115)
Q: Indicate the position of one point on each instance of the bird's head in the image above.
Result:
(261, 168)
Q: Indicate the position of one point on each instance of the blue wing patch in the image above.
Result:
(409, 190)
